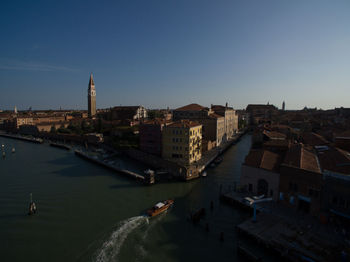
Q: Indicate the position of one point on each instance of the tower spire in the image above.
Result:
(91, 82)
(91, 97)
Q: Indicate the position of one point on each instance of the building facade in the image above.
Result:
(150, 134)
(301, 180)
(91, 98)
(231, 119)
(260, 173)
(133, 113)
(182, 142)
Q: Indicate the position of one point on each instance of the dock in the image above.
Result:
(23, 138)
(62, 146)
(111, 167)
(292, 240)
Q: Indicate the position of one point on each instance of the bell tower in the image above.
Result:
(91, 98)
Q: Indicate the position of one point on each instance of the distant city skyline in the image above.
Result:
(168, 54)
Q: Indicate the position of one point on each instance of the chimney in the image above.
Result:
(226, 104)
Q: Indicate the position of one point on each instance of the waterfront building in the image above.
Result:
(91, 98)
(214, 125)
(301, 180)
(260, 113)
(260, 173)
(150, 133)
(335, 164)
(213, 129)
(191, 111)
(182, 142)
(231, 119)
(12, 124)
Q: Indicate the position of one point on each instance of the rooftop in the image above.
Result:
(263, 159)
(191, 107)
(335, 159)
(298, 156)
(274, 135)
(313, 139)
(185, 123)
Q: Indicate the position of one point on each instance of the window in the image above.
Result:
(295, 187)
(334, 200)
(311, 192)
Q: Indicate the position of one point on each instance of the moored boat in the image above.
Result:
(160, 207)
(218, 160)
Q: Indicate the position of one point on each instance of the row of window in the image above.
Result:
(340, 202)
(312, 192)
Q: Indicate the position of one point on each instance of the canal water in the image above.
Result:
(88, 213)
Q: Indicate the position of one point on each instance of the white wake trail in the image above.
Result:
(111, 247)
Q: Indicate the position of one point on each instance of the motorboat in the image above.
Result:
(160, 207)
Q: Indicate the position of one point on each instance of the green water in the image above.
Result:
(87, 213)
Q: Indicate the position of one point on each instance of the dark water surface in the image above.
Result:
(87, 213)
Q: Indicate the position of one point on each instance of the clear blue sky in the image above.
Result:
(173, 52)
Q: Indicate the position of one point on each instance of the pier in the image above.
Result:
(27, 139)
(111, 167)
(62, 146)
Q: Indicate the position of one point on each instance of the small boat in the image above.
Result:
(148, 172)
(2, 146)
(218, 160)
(204, 174)
(160, 208)
(32, 206)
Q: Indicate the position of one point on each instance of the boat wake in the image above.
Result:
(111, 247)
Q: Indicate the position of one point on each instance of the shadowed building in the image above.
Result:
(260, 173)
(182, 142)
(91, 98)
(151, 136)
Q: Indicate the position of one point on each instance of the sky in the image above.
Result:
(169, 53)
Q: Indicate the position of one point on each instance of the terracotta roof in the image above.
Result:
(213, 115)
(274, 135)
(220, 108)
(345, 134)
(184, 123)
(156, 121)
(335, 159)
(299, 156)
(313, 139)
(260, 107)
(278, 143)
(192, 107)
(119, 108)
(263, 159)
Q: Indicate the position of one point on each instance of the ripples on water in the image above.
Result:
(110, 248)
(82, 211)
